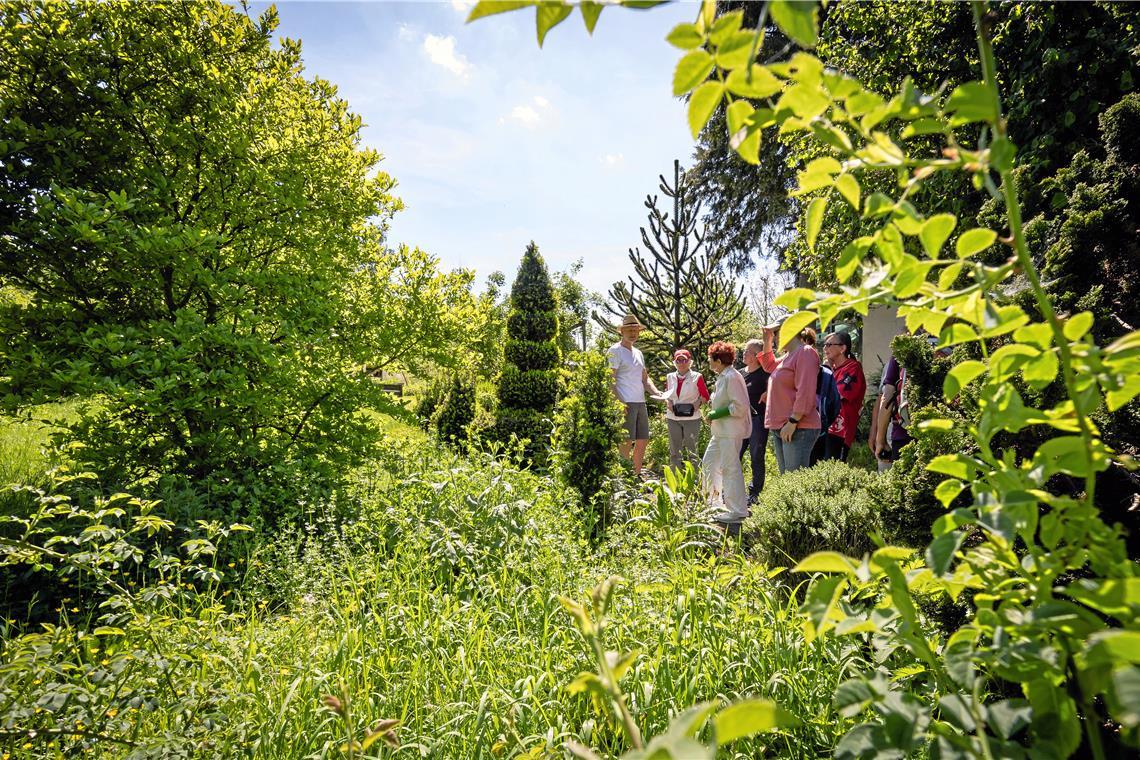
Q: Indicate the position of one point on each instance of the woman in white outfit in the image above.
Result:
(731, 422)
(685, 391)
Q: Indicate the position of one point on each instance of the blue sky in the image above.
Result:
(495, 142)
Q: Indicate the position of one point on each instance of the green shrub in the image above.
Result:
(532, 355)
(587, 431)
(429, 401)
(457, 411)
(529, 384)
(530, 389)
(825, 507)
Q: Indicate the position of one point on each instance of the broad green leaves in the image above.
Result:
(799, 19)
(692, 69)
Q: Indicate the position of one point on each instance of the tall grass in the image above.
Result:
(436, 604)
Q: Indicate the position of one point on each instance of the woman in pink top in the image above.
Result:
(791, 412)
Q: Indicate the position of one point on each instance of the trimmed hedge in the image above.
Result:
(457, 410)
(533, 389)
(529, 354)
(532, 325)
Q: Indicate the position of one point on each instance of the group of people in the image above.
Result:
(774, 397)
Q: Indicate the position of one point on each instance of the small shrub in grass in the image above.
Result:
(587, 430)
(457, 411)
(429, 402)
(825, 507)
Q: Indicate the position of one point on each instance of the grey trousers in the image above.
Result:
(683, 436)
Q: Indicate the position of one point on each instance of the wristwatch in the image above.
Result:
(793, 420)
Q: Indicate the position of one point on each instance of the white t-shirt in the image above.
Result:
(630, 366)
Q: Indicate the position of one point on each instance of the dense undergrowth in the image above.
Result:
(429, 595)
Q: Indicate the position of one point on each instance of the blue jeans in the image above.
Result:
(756, 445)
(797, 454)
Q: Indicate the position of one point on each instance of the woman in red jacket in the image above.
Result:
(852, 386)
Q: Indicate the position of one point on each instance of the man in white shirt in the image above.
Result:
(631, 380)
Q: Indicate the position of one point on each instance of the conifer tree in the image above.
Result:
(678, 291)
(528, 386)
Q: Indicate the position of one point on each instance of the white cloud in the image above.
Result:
(441, 51)
(613, 160)
(406, 33)
(462, 5)
(530, 115)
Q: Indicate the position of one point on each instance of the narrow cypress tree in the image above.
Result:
(528, 386)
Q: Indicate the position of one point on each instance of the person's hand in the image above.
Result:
(787, 431)
(670, 405)
(769, 339)
(764, 397)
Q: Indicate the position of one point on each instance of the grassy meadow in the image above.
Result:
(427, 594)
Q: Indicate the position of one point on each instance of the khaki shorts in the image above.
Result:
(637, 421)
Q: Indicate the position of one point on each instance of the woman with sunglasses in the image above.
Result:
(685, 391)
(848, 373)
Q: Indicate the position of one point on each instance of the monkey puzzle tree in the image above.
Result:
(528, 385)
(678, 291)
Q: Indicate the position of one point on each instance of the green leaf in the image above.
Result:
(549, 15)
(793, 325)
(948, 490)
(690, 721)
(926, 126)
(826, 562)
(940, 552)
(973, 241)
(1118, 597)
(1009, 716)
(1054, 717)
(1124, 343)
(960, 376)
(877, 204)
(815, 219)
(955, 465)
(973, 101)
(795, 299)
(948, 276)
(756, 82)
(704, 101)
(733, 52)
(1065, 454)
(1042, 370)
(746, 142)
(685, 36)
(850, 258)
(804, 101)
(798, 20)
(848, 187)
(491, 7)
(692, 69)
(1077, 325)
(956, 333)
(748, 718)
(590, 13)
(1124, 697)
(737, 115)
(726, 26)
(934, 232)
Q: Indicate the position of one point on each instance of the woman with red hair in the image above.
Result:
(731, 422)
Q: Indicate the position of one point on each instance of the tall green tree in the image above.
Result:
(529, 384)
(678, 291)
(184, 213)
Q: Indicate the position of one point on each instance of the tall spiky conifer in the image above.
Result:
(679, 292)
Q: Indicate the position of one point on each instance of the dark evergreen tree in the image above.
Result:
(749, 214)
(678, 292)
(528, 386)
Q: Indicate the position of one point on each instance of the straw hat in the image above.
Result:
(630, 320)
